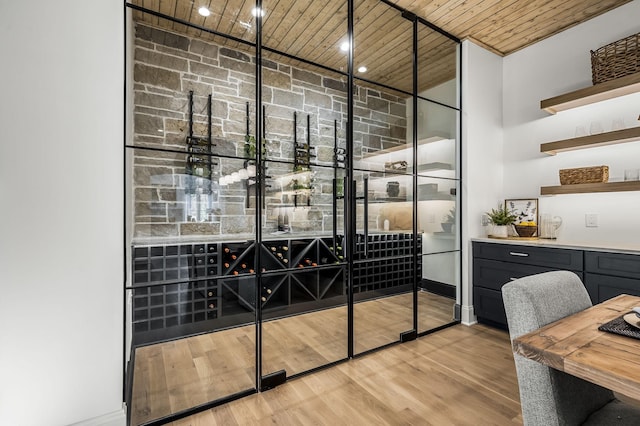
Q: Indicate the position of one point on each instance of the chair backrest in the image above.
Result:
(548, 396)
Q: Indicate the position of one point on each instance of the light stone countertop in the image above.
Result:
(628, 248)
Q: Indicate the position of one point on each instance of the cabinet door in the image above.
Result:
(617, 264)
(603, 287)
(541, 256)
(488, 305)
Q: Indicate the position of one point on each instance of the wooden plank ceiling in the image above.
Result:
(314, 30)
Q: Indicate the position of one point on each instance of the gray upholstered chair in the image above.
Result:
(550, 397)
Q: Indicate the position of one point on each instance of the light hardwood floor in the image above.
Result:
(457, 376)
(180, 374)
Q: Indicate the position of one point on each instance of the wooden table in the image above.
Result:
(576, 346)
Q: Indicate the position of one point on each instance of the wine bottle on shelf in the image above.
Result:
(280, 221)
(284, 248)
(285, 260)
(285, 222)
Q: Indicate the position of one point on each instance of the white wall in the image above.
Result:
(552, 67)
(61, 190)
(482, 151)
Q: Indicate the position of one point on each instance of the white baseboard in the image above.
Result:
(116, 418)
(468, 317)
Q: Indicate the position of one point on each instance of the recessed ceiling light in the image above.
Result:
(344, 46)
(204, 11)
(256, 10)
(362, 69)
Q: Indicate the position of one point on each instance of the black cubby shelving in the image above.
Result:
(175, 285)
(189, 284)
(384, 264)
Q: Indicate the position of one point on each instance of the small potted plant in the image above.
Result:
(501, 218)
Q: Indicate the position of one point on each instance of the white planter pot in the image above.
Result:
(501, 231)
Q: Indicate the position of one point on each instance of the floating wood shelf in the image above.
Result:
(584, 188)
(596, 93)
(602, 139)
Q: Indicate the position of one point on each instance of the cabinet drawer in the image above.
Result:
(540, 256)
(617, 264)
(494, 274)
(488, 305)
(603, 287)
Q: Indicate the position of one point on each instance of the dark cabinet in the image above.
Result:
(610, 274)
(496, 264)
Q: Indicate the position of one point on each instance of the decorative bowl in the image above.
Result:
(526, 231)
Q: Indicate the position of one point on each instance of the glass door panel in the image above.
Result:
(308, 29)
(438, 290)
(438, 70)
(384, 266)
(383, 45)
(383, 262)
(438, 223)
(381, 132)
(191, 283)
(304, 286)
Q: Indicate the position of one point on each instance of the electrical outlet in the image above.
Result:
(484, 220)
(591, 220)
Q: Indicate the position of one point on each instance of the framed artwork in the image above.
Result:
(525, 209)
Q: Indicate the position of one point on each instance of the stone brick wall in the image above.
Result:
(167, 66)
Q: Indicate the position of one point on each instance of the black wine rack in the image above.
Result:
(181, 285)
(384, 263)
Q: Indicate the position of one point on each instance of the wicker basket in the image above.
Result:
(616, 59)
(597, 174)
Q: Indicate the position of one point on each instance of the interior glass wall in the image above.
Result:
(437, 121)
(278, 224)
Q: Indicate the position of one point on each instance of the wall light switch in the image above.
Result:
(591, 220)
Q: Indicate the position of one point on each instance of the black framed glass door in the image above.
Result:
(281, 218)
